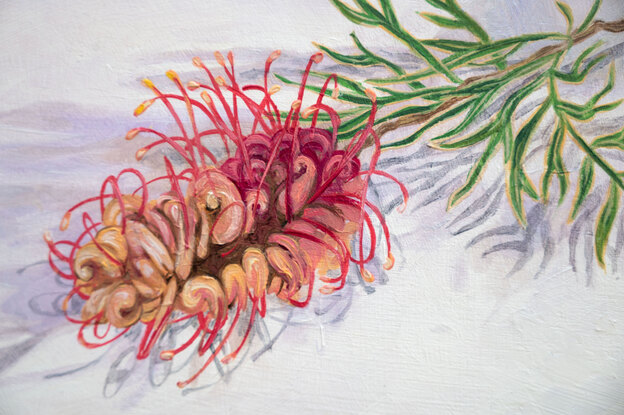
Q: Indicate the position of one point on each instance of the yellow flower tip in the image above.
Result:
(308, 111)
(65, 221)
(327, 289)
(171, 74)
(140, 153)
(296, 104)
(148, 83)
(192, 85)
(132, 133)
(274, 55)
(317, 57)
(198, 62)
(367, 275)
(389, 262)
(220, 80)
(335, 92)
(166, 355)
(142, 107)
(371, 94)
(219, 57)
(206, 98)
(274, 89)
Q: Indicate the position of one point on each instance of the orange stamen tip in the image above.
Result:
(230, 57)
(335, 92)
(219, 57)
(65, 221)
(140, 153)
(274, 55)
(308, 111)
(148, 83)
(371, 94)
(389, 262)
(206, 97)
(274, 89)
(317, 57)
(192, 85)
(47, 236)
(367, 275)
(171, 74)
(227, 359)
(220, 80)
(197, 62)
(402, 207)
(327, 289)
(181, 385)
(166, 355)
(132, 133)
(296, 104)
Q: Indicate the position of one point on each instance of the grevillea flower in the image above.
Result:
(279, 212)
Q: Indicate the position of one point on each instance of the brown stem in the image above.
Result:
(595, 27)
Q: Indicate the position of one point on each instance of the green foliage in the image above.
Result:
(464, 102)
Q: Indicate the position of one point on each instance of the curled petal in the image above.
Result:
(172, 209)
(96, 303)
(123, 308)
(148, 280)
(114, 242)
(149, 309)
(303, 183)
(143, 242)
(286, 267)
(216, 192)
(112, 212)
(201, 294)
(91, 262)
(233, 279)
(258, 199)
(256, 271)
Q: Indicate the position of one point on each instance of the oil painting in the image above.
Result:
(336, 206)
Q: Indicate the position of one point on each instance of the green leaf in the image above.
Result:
(527, 185)
(507, 140)
(606, 219)
(354, 60)
(388, 11)
(474, 175)
(470, 24)
(516, 180)
(578, 77)
(442, 21)
(585, 181)
(615, 140)
(581, 57)
(590, 16)
(354, 15)
(354, 86)
(475, 111)
(593, 155)
(565, 9)
(427, 56)
(440, 118)
(450, 45)
(549, 161)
